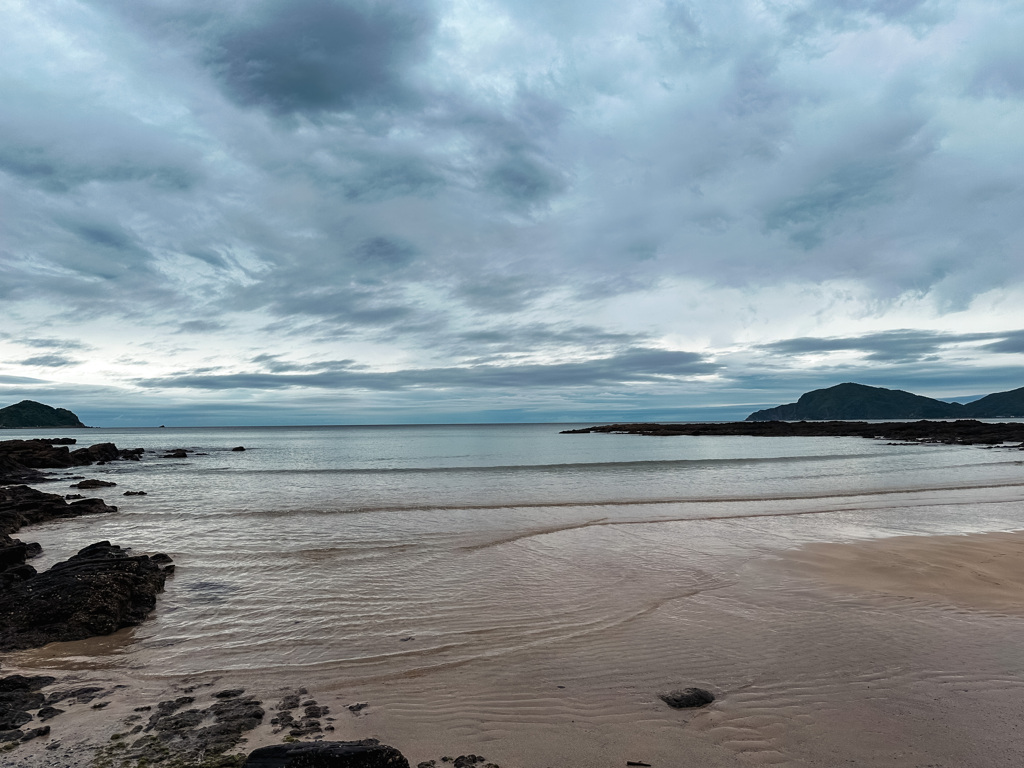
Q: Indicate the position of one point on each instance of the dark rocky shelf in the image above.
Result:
(961, 432)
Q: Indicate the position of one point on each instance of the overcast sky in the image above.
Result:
(360, 211)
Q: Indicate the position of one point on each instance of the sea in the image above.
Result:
(438, 560)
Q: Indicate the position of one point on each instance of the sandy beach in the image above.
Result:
(901, 651)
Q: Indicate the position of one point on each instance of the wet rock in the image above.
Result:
(358, 706)
(72, 496)
(368, 753)
(11, 735)
(959, 432)
(289, 702)
(230, 693)
(16, 574)
(688, 698)
(238, 448)
(96, 592)
(13, 718)
(47, 713)
(18, 694)
(21, 460)
(93, 483)
(191, 735)
(74, 695)
(36, 733)
(21, 505)
(135, 493)
(176, 453)
(165, 709)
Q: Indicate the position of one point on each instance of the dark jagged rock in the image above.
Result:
(18, 694)
(21, 505)
(47, 713)
(36, 733)
(368, 753)
(962, 432)
(176, 453)
(688, 698)
(75, 695)
(93, 483)
(135, 493)
(96, 592)
(29, 414)
(180, 734)
(238, 448)
(21, 460)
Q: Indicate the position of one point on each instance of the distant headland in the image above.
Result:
(859, 401)
(856, 410)
(29, 414)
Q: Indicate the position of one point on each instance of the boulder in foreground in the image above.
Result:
(368, 753)
(688, 698)
(96, 592)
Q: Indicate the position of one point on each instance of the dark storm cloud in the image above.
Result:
(1012, 343)
(59, 142)
(49, 361)
(847, 14)
(200, 326)
(897, 346)
(49, 342)
(634, 365)
(275, 364)
(870, 170)
(501, 293)
(383, 252)
(343, 306)
(386, 176)
(1001, 75)
(317, 56)
(539, 336)
(524, 179)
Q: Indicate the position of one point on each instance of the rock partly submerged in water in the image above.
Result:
(93, 483)
(98, 591)
(21, 505)
(688, 698)
(368, 753)
(20, 460)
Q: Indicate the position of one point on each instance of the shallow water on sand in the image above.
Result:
(458, 570)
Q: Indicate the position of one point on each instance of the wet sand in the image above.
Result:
(902, 652)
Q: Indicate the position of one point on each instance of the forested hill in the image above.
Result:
(29, 413)
(859, 401)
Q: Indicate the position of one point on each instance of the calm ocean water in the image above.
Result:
(366, 553)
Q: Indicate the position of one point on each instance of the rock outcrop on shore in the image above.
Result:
(21, 460)
(21, 505)
(962, 432)
(368, 753)
(96, 592)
